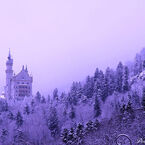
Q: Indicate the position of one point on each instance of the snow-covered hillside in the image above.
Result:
(105, 105)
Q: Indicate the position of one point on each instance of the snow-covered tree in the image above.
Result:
(130, 110)
(48, 99)
(96, 124)
(79, 134)
(137, 65)
(72, 113)
(96, 75)
(105, 89)
(55, 94)
(53, 123)
(119, 77)
(71, 137)
(79, 90)
(38, 96)
(3, 105)
(72, 96)
(125, 79)
(136, 99)
(89, 127)
(43, 100)
(19, 138)
(19, 120)
(27, 109)
(4, 136)
(11, 115)
(97, 109)
(64, 136)
(143, 99)
(143, 65)
(89, 87)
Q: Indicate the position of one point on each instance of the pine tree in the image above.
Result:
(19, 119)
(96, 124)
(79, 134)
(3, 105)
(129, 107)
(143, 65)
(125, 79)
(99, 81)
(48, 98)
(72, 114)
(79, 90)
(43, 101)
(62, 96)
(3, 136)
(32, 106)
(89, 127)
(97, 109)
(130, 111)
(96, 75)
(71, 137)
(119, 77)
(99, 86)
(122, 112)
(136, 99)
(53, 123)
(32, 103)
(64, 136)
(55, 94)
(89, 87)
(123, 108)
(19, 138)
(137, 65)
(73, 94)
(65, 112)
(109, 83)
(38, 97)
(10, 115)
(112, 82)
(27, 109)
(143, 99)
(105, 89)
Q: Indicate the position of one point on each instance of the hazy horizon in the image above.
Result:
(64, 41)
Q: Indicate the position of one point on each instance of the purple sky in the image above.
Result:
(65, 40)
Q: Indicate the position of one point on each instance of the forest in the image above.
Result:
(94, 112)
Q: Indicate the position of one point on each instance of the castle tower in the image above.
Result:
(17, 86)
(9, 75)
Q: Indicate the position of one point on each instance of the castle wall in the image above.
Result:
(18, 86)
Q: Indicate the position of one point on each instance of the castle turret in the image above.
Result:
(9, 75)
(17, 86)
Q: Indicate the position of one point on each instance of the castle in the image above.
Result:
(17, 86)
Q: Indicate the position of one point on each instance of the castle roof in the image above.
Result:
(23, 75)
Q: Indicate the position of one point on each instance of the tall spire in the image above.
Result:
(26, 69)
(9, 57)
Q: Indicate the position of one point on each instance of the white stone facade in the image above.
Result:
(17, 86)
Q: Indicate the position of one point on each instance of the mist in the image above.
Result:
(63, 41)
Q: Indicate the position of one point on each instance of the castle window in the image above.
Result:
(23, 90)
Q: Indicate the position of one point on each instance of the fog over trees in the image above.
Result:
(95, 111)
